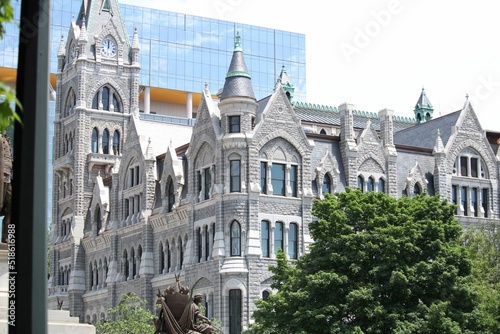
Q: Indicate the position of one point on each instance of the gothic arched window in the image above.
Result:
(327, 185)
(105, 98)
(235, 239)
(105, 141)
(116, 143)
(95, 141)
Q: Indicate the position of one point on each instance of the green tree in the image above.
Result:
(483, 245)
(130, 317)
(377, 265)
(7, 94)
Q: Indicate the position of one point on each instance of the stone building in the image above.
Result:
(138, 201)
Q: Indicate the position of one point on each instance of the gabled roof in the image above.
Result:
(424, 135)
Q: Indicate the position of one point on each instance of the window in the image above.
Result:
(98, 219)
(293, 180)
(235, 239)
(278, 237)
(416, 189)
(208, 182)
(95, 101)
(181, 253)
(484, 202)
(105, 141)
(326, 188)
(235, 176)
(95, 141)
(278, 179)
(116, 143)
(116, 104)
(370, 185)
(265, 295)
(207, 244)
(473, 167)
(105, 98)
(234, 124)
(381, 185)
(263, 177)
(473, 200)
(361, 183)
(170, 196)
(234, 311)
(161, 266)
(464, 166)
(169, 257)
(125, 265)
(463, 200)
(292, 241)
(264, 238)
(200, 244)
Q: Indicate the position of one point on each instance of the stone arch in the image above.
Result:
(481, 151)
(108, 81)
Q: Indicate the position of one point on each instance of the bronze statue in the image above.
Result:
(5, 186)
(180, 314)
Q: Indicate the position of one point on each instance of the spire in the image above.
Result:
(62, 47)
(423, 109)
(438, 147)
(83, 32)
(149, 150)
(286, 83)
(238, 81)
(135, 40)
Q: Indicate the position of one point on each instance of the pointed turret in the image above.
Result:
(438, 147)
(82, 39)
(237, 100)
(238, 81)
(286, 83)
(423, 109)
(135, 48)
(61, 54)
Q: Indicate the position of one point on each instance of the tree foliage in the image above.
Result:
(377, 265)
(483, 245)
(7, 94)
(130, 317)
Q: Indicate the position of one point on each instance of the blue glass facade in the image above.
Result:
(182, 52)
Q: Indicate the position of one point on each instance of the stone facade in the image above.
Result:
(139, 201)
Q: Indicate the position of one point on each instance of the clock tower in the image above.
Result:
(97, 96)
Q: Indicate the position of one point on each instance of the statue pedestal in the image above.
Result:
(59, 321)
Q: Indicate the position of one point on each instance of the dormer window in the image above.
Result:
(234, 124)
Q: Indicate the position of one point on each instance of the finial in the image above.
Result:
(135, 28)
(206, 86)
(237, 42)
(466, 96)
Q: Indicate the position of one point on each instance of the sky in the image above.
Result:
(379, 54)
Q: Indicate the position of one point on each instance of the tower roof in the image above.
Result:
(238, 81)
(423, 101)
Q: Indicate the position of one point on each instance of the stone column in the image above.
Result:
(147, 100)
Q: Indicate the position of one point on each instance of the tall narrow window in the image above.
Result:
(200, 243)
(116, 143)
(98, 219)
(278, 179)
(235, 311)
(235, 239)
(137, 175)
(278, 237)
(95, 101)
(293, 180)
(292, 241)
(464, 168)
(326, 188)
(181, 253)
(473, 200)
(234, 124)
(105, 141)
(95, 141)
(263, 177)
(125, 265)
(454, 196)
(370, 184)
(207, 244)
(361, 183)
(484, 202)
(170, 196)
(208, 182)
(474, 167)
(264, 238)
(161, 265)
(235, 176)
(116, 104)
(464, 200)
(381, 185)
(105, 98)
(169, 257)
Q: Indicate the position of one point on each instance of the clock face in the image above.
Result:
(108, 47)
